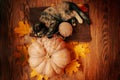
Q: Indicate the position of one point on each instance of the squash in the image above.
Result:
(65, 29)
(49, 56)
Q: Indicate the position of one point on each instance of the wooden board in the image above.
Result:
(103, 61)
(81, 32)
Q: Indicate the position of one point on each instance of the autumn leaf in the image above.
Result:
(78, 49)
(22, 29)
(81, 50)
(72, 67)
(39, 76)
(33, 73)
(22, 41)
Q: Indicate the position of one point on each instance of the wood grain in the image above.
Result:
(103, 61)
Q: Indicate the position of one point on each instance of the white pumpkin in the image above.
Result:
(49, 56)
(65, 29)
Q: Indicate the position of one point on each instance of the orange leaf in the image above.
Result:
(22, 29)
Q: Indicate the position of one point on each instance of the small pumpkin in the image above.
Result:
(65, 29)
(49, 56)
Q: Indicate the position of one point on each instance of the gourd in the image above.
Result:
(65, 29)
(49, 56)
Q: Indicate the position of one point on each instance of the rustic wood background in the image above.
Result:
(103, 62)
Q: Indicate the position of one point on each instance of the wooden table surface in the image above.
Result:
(103, 61)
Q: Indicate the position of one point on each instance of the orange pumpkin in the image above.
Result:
(49, 56)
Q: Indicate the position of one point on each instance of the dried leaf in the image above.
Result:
(78, 49)
(22, 29)
(23, 41)
(72, 67)
(33, 73)
(81, 50)
(39, 76)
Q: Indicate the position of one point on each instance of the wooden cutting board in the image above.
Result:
(81, 32)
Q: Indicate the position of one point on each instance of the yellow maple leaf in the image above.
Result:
(78, 49)
(23, 28)
(81, 50)
(39, 76)
(72, 67)
(33, 73)
(22, 32)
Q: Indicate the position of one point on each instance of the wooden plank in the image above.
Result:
(100, 62)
